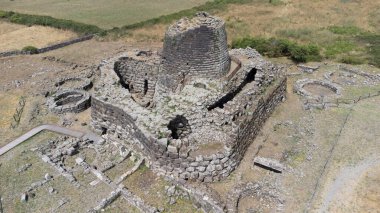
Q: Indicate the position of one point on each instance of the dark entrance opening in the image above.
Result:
(145, 86)
(229, 96)
(178, 126)
(104, 130)
(117, 67)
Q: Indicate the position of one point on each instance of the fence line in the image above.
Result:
(48, 48)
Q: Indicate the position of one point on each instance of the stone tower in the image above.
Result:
(196, 48)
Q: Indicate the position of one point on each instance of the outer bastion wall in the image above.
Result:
(173, 162)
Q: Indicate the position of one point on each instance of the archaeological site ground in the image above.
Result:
(190, 106)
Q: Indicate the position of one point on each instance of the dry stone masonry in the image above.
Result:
(186, 109)
(196, 47)
(69, 101)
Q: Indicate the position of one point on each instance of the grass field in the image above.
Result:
(19, 36)
(347, 31)
(103, 13)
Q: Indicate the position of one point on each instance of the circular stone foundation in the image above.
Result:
(316, 89)
(74, 83)
(69, 101)
(351, 77)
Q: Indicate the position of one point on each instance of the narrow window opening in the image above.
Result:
(145, 86)
(104, 130)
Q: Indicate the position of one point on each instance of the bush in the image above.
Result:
(352, 60)
(280, 47)
(29, 20)
(372, 41)
(339, 47)
(30, 49)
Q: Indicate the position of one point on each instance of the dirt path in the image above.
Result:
(53, 128)
(346, 179)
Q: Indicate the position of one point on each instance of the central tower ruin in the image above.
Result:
(186, 109)
(196, 47)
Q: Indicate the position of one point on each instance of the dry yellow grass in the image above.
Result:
(6, 27)
(15, 37)
(8, 103)
(261, 18)
(265, 19)
(359, 195)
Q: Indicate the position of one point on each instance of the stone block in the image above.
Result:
(194, 175)
(185, 175)
(211, 168)
(207, 179)
(201, 168)
(218, 167)
(172, 149)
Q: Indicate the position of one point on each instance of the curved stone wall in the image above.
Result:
(139, 75)
(69, 101)
(196, 47)
(74, 83)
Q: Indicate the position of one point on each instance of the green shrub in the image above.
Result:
(295, 33)
(352, 60)
(372, 42)
(280, 47)
(29, 20)
(276, 2)
(339, 47)
(3, 14)
(30, 49)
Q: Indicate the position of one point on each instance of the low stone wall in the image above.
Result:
(48, 48)
(69, 101)
(300, 84)
(170, 161)
(84, 83)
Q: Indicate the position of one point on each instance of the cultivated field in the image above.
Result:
(102, 13)
(15, 37)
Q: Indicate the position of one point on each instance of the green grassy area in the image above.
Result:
(102, 13)
(280, 47)
(347, 44)
(30, 20)
(96, 24)
(210, 6)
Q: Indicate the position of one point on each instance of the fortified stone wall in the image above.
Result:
(197, 48)
(168, 159)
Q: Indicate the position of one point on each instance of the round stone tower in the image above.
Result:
(196, 47)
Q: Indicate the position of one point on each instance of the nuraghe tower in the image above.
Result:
(192, 108)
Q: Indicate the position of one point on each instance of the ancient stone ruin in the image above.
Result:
(192, 108)
(69, 101)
